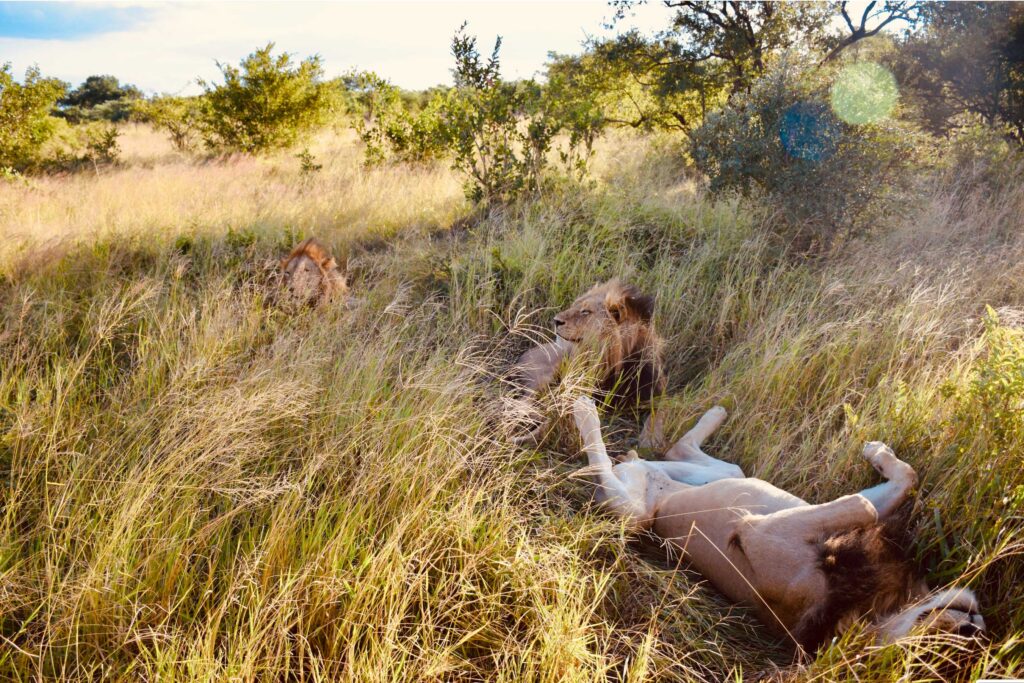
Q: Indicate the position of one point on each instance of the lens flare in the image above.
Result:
(864, 92)
(809, 132)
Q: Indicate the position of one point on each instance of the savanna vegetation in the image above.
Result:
(200, 483)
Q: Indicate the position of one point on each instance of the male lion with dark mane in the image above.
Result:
(311, 274)
(615, 321)
(809, 571)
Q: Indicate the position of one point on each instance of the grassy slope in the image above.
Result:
(198, 486)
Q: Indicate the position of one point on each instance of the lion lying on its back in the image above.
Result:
(311, 274)
(616, 320)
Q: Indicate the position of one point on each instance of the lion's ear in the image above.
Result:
(329, 263)
(641, 305)
(629, 303)
(615, 303)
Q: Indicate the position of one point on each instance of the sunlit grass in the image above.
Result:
(198, 485)
(159, 193)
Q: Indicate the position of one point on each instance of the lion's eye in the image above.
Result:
(584, 313)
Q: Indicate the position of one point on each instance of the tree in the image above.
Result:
(96, 90)
(25, 122)
(638, 82)
(737, 37)
(268, 102)
(968, 59)
(98, 98)
(709, 52)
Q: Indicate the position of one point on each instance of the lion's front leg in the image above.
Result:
(623, 487)
(900, 478)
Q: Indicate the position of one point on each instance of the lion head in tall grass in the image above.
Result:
(311, 275)
(614, 321)
(616, 318)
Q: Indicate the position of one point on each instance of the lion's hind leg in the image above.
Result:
(687, 449)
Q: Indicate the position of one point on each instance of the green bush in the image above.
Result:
(822, 176)
(101, 145)
(496, 130)
(180, 117)
(390, 127)
(25, 122)
(308, 165)
(267, 103)
(499, 134)
(986, 435)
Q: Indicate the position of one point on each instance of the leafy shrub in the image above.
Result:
(72, 148)
(498, 134)
(497, 131)
(986, 426)
(389, 126)
(101, 145)
(25, 122)
(824, 177)
(10, 176)
(180, 117)
(267, 103)
(992, 406)
(307, 163)
(981, 157)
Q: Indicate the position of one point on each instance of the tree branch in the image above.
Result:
(846, 16)
(896, 11)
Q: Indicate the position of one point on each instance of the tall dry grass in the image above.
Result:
(198, 484)
(158, 194)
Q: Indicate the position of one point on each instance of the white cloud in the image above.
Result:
(406, 41)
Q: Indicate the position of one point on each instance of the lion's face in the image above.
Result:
(600, 313)
(311, 274)
(587, 319)
(303, 279)
(953, 611)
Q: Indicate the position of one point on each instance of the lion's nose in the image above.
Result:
(558, 321)
(968, 630)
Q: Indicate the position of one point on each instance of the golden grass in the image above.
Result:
(198, 485)
(160, 193)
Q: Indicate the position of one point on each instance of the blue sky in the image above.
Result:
(64, 20)
(165, 46)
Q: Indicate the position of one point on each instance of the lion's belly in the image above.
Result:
(715, 528)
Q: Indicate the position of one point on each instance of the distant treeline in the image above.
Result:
(766, 97)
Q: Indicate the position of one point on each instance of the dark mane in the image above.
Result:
(635, 374)
(637, 378)
(866, 570)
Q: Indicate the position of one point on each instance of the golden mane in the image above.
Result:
(331, 281)
(314, 249)
(634, 335)
(618, 318)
